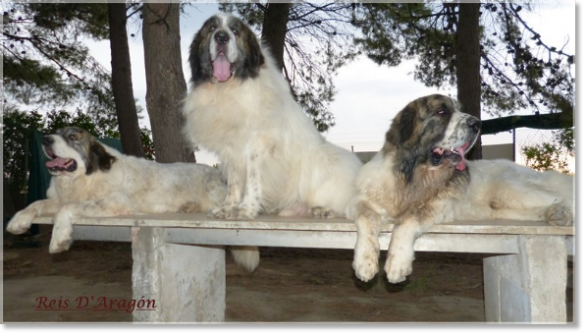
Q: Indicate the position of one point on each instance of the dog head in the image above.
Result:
(432, 130)
(224, 48)
(74, 151)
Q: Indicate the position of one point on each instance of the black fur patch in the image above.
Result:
(99, 159)
(402, 127)
(199, 54)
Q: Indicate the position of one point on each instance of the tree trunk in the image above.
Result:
(274, 29)
(122, 81)
(166, 86)
(468, 65)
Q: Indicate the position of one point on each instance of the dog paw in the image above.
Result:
(321, 213)
(365, 262)
(559, 215)
(20, 223)
(398, 267)
(61, 239)
(224, 213)
(190, 207)
(246, 213)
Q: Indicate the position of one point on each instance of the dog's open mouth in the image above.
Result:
(57, 164)
(222, 68)
(453, 154)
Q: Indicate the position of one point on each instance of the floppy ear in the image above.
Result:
(99, 159)
(402, 127)
(197, 60)
(254, 57)
(251, 53)
(400, 137)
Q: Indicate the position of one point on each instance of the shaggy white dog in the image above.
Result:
(420, 178)
(92, 179)
(241, 107)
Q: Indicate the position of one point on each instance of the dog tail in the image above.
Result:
(246, 257)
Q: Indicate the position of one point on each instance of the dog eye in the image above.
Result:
(441, 112)
(235, 31)
(72, 137)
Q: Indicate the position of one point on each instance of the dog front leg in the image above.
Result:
(367, 248)
(230, 208)
(62, 236)
(251, 204)
(23, 219)
(401, 254)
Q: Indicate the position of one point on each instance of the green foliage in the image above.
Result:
(552, 155)
(545, 156)
(44, 61)
(529, 74)
(17, 131)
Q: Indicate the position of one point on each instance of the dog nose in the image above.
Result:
(474, 124)
(221, 37)
(47, 140)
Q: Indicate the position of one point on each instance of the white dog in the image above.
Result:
(92, 179)
(420, 178)
(241, 107)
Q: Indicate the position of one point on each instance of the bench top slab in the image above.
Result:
(277, 223)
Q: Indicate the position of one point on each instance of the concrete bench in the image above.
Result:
(179, 259)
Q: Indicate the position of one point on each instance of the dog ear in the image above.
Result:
(402, 127)
(99, 159)
(400, 137)
(254, 58)
(197, 59)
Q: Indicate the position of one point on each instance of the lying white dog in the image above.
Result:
(92, 179)
(420, 178)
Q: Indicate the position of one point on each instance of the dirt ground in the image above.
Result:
(291, 285)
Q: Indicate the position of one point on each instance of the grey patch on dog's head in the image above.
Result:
(92, 152)
(248, 50)
(423, 124)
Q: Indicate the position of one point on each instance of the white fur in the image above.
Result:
(514, 191)
(132, 186)
(497, 189)
(274, 158)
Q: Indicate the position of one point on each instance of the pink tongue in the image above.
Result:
(221, 68)
(58, 162)
(462, 164)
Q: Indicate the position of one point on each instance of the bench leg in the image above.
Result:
(529, 286)
(186, 283)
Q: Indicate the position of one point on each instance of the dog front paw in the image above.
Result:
(398, 267)
(321, 213)
(559, 215)
(224, 213)
(20, 223)
(365, 262)
(246, 213)
(62, 238)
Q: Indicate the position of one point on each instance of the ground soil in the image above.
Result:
(291, 285)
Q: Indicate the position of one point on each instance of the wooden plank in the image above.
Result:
(269, 222)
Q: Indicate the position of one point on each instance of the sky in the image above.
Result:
(368, 96)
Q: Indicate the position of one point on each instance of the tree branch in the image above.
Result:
(539, 121)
